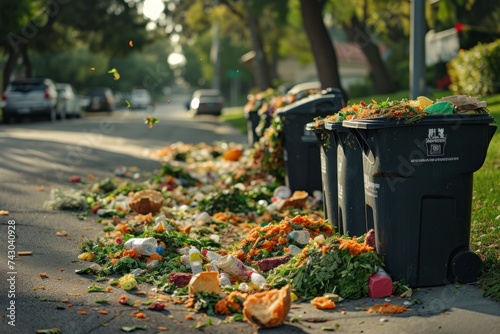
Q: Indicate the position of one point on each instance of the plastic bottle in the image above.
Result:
(152, 264)
(185, 259)
(282, 192)
(224, 279)
(211, 255)
(379, 284)
(161, 222)
(294, 250)
(243, 287)
(202, 218)
(213, 266)
(257, 279)
(143, 246)
(302, 237)
(184, 250)
(233, 266)
(136, 272)
(195, 260)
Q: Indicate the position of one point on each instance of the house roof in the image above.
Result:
(350, 52)
(346, 53)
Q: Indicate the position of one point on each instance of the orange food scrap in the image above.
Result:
(103, 312)
(323, 303)
(140, 315)
(232, 154)
(189, 317)
(131, 253)
(44, 275)
(131, 44)
(386, 308)
(354, 247)
(123, 300)
(82, 312)
(230, 304)
(162, 328)
(154, 256)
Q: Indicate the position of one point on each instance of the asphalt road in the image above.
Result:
(36, 156)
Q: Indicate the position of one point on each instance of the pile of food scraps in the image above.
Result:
(201, 200)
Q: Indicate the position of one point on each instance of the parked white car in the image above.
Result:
(28, 97)
(68, 102)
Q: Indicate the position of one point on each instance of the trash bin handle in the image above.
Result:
(364, 145)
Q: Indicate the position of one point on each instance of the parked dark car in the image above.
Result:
(68, 102)
(29, 97)
(99, 99)
(206, 101)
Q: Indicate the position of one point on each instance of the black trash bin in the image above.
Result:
(328, 161)
(301, 149)
(418, 193)
(350, 185)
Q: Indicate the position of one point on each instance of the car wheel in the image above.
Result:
(7, 119)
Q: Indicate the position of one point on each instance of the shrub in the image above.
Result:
(476, 72)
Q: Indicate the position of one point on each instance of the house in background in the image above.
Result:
(353, 66)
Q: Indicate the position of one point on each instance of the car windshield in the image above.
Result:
(26, 86)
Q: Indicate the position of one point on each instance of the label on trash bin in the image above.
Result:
(435, 142)
(371, 188)
(433, 147)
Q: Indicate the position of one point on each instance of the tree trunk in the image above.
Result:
(28, 68)
(321, 44)
(261, 65)
(358, 33)
(9, 66)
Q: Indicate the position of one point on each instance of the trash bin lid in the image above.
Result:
(311, 126)
(386, 122)
(336, 126)
(316, 104)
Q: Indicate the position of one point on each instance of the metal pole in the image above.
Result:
(214, 52)
(417, 49)
(215, 56)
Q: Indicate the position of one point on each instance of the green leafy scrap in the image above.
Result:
(336, 271)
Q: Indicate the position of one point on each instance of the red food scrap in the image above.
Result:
(272, 262)
(180, 279)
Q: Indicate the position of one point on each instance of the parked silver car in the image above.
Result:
(29, 97)
(141, 99)
(68, 102)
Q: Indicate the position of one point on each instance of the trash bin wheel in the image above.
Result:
(466, 266)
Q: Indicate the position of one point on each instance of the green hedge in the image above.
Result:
(476, 72)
